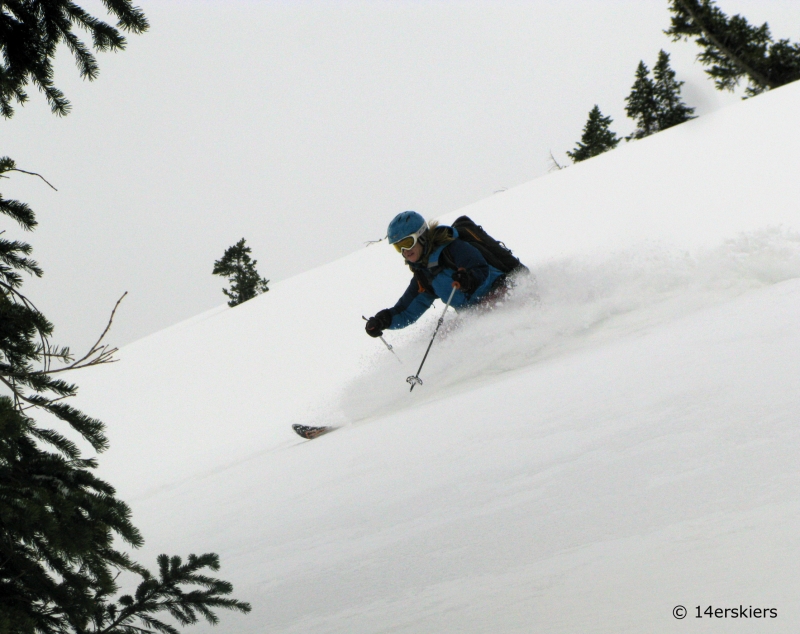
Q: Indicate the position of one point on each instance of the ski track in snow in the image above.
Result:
(563, 306)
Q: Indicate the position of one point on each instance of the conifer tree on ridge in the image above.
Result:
(656, 105)
(597, 137)
(671, 109)
(642, 104)
(236, 265)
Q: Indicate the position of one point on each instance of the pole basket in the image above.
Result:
(414, 380)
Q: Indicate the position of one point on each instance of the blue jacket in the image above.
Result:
(438, 273)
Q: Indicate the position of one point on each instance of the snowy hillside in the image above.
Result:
(619, 439)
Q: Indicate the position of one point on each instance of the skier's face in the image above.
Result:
(414, 253)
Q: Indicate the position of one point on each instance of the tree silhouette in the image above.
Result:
(236, 265)
(733, 48)
(656, 105)
(597, 137)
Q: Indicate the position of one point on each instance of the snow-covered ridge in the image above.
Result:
(653, 357)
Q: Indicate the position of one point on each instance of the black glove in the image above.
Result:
(462, 279)
(380, 322)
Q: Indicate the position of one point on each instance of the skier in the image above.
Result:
(439, 261)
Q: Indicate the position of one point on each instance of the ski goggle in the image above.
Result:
(409, 242)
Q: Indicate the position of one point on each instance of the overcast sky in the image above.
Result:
(304, 127)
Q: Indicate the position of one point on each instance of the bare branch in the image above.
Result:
(555, 164)
(101, 354)
(14, 169)
(17, 296)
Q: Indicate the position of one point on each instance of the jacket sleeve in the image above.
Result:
(465, 256)
(410, 306)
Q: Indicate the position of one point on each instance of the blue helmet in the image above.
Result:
(405, 224)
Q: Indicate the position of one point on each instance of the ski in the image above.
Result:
(311, 432)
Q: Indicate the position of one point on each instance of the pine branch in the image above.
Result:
(18, 394)
(759, 78)
(43, 327)
(32, 31)
(165, 595)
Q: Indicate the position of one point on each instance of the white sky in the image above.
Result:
(304, 127)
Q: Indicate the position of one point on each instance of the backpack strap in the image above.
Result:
(445, 261)
(423, 283)
(433, 258)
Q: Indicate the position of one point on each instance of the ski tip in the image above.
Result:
(310, 433)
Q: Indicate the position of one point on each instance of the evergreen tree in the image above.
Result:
(597, 137)
(30, 33)
(235, 264)
(58, 521)
(60, 525)
(671, 109)
(642, 104)
(733, 48)
(656, 105)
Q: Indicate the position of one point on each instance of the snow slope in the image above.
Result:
(620, 438)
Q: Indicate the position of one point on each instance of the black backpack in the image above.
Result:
(495, 253)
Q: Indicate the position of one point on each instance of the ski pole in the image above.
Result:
(386, 343)
(414, 380)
